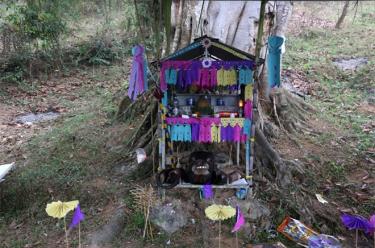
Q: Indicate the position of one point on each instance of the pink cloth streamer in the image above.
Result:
(213, 78)
(237, 133)
(248, 109)
(205, 133)
(240, 220)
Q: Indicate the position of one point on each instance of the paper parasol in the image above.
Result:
(355, 222)
(219, 212)
(60, 209)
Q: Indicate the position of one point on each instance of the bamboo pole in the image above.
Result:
(66, 233)
(258, 47)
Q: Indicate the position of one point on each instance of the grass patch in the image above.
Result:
(339, 93)
(62, 162)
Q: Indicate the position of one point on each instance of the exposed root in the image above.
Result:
(268, 156)
(290, 112)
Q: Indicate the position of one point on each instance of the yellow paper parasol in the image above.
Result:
(219, 212)
(60, 209)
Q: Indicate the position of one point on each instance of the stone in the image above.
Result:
(31, 118)
(350, 64)
(170, 217)
(252, 208)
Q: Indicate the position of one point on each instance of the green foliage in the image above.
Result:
(39, 20)
(336, 170)
(101, 51)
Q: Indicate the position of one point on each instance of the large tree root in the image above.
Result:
(290, 112)
(107, 233)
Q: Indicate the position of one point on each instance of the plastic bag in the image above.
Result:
(295, 230)
(141, 155)
(323, 241)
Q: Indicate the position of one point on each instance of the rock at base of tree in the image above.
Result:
(108, 232)
(170, 217)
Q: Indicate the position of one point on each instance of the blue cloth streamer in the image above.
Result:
(274, 60)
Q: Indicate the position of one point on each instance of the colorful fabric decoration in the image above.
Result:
(164, 100)
(247, 127)
(274, 60)
(248, 109)
(219, 212)
(245, 76)
(186, 73)
(207, 191)
(232, 122)
(204, 79)
(171, 76)
(230, 77)
(195, 132)
(249, 92)
(78, 216)
(240, 220)
(213, 78)
(60, 209)
(237, 133)
(205, 133)
(220, 77)
(215, 133)
(208, 130)
(138, 76)
(227, 133)
(181, 132)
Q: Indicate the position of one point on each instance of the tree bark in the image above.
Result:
(342, 16)
(283, 13)
(178, 20)
(232, 22)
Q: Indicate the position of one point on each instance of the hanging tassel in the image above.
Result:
(138, 75)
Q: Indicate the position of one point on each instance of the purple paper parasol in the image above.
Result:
(355, 222)
(372, 224)
(78, 216)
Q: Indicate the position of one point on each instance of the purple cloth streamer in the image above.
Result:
(137, 76)
(195, 132)
(207, 191)
(184, 79)
(355, 222)
(78, 216)
(227, 133)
